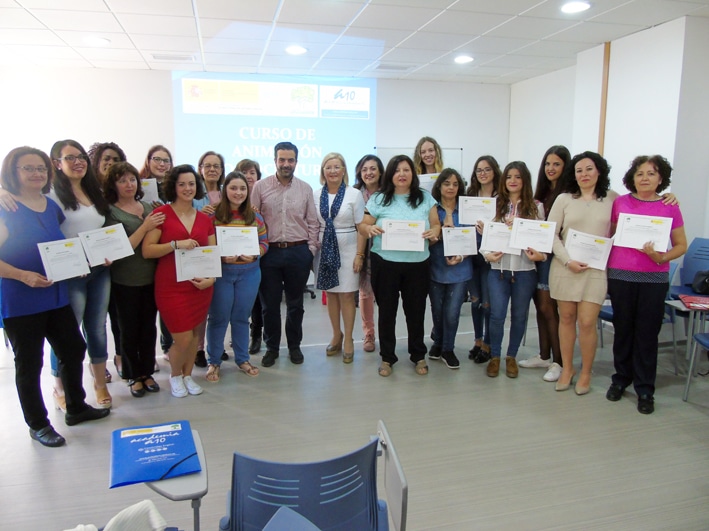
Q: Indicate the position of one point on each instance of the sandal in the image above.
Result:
(248, 369)
(213, 373)
(59, 400)
(103, 397)
(421, 368)
(385, 369)
(107, 376)
(347, 357)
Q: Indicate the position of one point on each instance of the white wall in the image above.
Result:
(587, 100)
(541, 116)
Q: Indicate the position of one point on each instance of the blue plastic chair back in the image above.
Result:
(696, 259)
(338, 494)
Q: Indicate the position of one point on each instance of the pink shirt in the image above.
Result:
(288, 210)
(633, 259)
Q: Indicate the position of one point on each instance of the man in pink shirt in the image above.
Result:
(286, 204)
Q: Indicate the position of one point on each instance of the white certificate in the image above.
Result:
(427, 180)
(533, 233)
(403, 235)
(589, 249)
(63, 259)
(472, 209)
(150, 190)
(496, 238)
(236, 241)
(200, 262)
(459, 241)
(634, 231)
(106, 243)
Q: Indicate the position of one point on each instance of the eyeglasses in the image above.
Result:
(333, 168)
(73, 158)
(208, 167)
(483, 170)
(34, 169)
(158, 160)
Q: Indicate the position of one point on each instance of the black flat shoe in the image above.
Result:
(119, 371)
(151, 387)
(47, 437)
(138, 393)
(200, 359)
(296, 356)
(615, 392)
(225, 356)
(255, 344)
(90, 413)
(646, 404)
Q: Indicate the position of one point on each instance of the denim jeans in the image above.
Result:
(480, 295)
(234, 295)
(446, 300)
(502, 289)
(88, 298)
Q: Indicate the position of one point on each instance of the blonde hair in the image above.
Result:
(331, 156)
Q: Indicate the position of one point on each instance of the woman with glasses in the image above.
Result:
(484, 182)
(33, 307)
(339, 260)
(156, 166)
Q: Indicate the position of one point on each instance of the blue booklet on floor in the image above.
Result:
(152, 453)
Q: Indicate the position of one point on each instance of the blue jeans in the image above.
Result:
(480, 295)
(234, 295)
(446, 300)
(502, 289)
(88, 298)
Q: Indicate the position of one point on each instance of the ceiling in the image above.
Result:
(510, 40)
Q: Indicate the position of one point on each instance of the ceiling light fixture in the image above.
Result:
(95, 40)
(575, 7)
(296, 49)
(463, 59)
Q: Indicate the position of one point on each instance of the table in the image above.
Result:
(695, 325)
(190, 487)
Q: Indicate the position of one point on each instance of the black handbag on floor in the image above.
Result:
(700, 284)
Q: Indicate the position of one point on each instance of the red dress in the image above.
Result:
(182, 306)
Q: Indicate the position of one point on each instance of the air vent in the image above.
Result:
(391, 67)
(173, 57)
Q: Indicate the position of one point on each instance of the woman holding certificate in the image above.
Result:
(400, 265)
(340, 209)
(133, 278)
(513, 277)
(182, 305)
(33, 307)
(484, 182)
(450, 272)
(638, 281)
(236, 290)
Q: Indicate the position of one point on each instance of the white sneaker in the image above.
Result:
(535, 363)
(553, 373)
(177, 387)
(193, 387)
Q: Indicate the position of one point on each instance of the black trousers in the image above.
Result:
(638, 311)
(27, 334)
(136, 310)
(410, 279)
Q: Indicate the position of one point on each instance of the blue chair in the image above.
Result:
(702, 339)
(695, 259)
(335, 495)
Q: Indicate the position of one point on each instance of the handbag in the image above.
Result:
(700, 284)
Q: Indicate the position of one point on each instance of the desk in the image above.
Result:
(190, 487)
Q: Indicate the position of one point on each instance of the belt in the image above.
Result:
(283, 245)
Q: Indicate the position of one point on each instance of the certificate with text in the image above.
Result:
(238, 241)
(589, 249)
(63, 259)
(427, 180)
(496, 238)
(459, 241)
(403, 235)
(533, 233)
(635, 231)
(472, 209)
(107, 243)
(200, 262)
(150, 190)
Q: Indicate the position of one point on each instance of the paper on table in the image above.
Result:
(106, 243)
(201, 262)
(533, 233)
(472, 209)
(63, 259)
(150, 190)
(401, 235)
(589, 249)
(459, 241)
(496, 238)
(238, 241)
(635, 231)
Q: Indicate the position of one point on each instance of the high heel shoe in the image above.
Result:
(582, 389)
(333, 349)
(103, 397)
(59, 400)
(348, 354)
(565, 386)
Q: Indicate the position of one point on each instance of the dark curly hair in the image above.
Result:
(662, 166)
(89, 183)
(170, 182)
(359, 183)
(603, 184)
(115, 172)
(96, 153)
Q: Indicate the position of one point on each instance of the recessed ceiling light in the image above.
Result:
(463, 59)
(95, 40)
(295, 49)
(575, 7)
